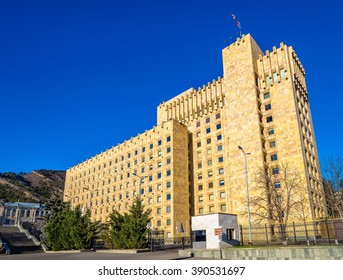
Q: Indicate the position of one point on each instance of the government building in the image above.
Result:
(189, 164)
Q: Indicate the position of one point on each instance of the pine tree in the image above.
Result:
(130, 230)
(69, 229)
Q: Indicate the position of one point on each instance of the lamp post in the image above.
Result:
(141, 178)
(247, 189)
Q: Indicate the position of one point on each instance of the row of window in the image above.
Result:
(210, 162)
(211, 196)
(210, 173)
(208, 120)
(208, 140)
(128, 156)
(221, 183)
(275, 77)
(211, 209)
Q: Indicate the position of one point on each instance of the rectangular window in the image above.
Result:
(209, 151)
(275, 77)
(201, 211)
(168, 160)
(200, 235)
(198, 124)
(136, 152)
(210, 173)
(219, 126)
(168, 209)
(143, 149)
(221, 183)
(222, 195)
(208, 141)
(159, 198)
(198, 144)
(220, 148)
(209, 162)
(168, 185)
(168, 150)
(159, 164)
(277, 185)
(271, 131)
(200, 198)
(150, 178)
(158, 223)
(199, 165)
(150, 167)
(266, 95)
(168, 138)
(168, 222)
(208, 120)
(151, 146)
(159, 153)
(159, 175)
(273, 157)
(199, 187)
(211, 208)
(159, 143)
(210, 185)
(168, 172)
(283, 74)
(158, 211)
(275, 171)
(219, 137)
(200, 176)
(211, 197)
(221, 170)
(268, 106)
(272, 144)
(269, 119)
(218, 116)
(268, 80)
(198, 134)
(223, 207)
(208, 130)
(168, 196)
(220, 159)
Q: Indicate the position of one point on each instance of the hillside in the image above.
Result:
(36, 186)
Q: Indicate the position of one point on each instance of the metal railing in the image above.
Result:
(321, 232)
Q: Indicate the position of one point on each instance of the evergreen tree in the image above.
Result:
(70, 229)
(130, 230)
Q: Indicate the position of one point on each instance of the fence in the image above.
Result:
(310, 233)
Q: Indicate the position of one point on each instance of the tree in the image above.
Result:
(70, 229)
(333, 186)
(129, 230)
(280, 194)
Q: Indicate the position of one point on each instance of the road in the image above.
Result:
(162, 255)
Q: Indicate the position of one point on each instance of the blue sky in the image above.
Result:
(78, 77)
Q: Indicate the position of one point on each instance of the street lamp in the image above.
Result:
(141, 178)
(247, 189)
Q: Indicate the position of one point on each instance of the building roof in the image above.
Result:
(24, 205)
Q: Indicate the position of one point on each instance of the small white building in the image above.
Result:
(215, 231)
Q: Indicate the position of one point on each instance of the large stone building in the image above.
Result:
(189, 164)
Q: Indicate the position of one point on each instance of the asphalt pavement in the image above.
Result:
(90, 255)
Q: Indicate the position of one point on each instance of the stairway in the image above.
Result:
(18, 242)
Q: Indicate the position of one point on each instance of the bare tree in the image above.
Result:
(333, 186)
(280, 194)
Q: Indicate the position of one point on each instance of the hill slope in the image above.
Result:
(36, 186)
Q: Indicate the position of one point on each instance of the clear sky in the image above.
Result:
(78, 77)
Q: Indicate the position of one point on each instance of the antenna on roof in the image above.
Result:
(238, 24)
